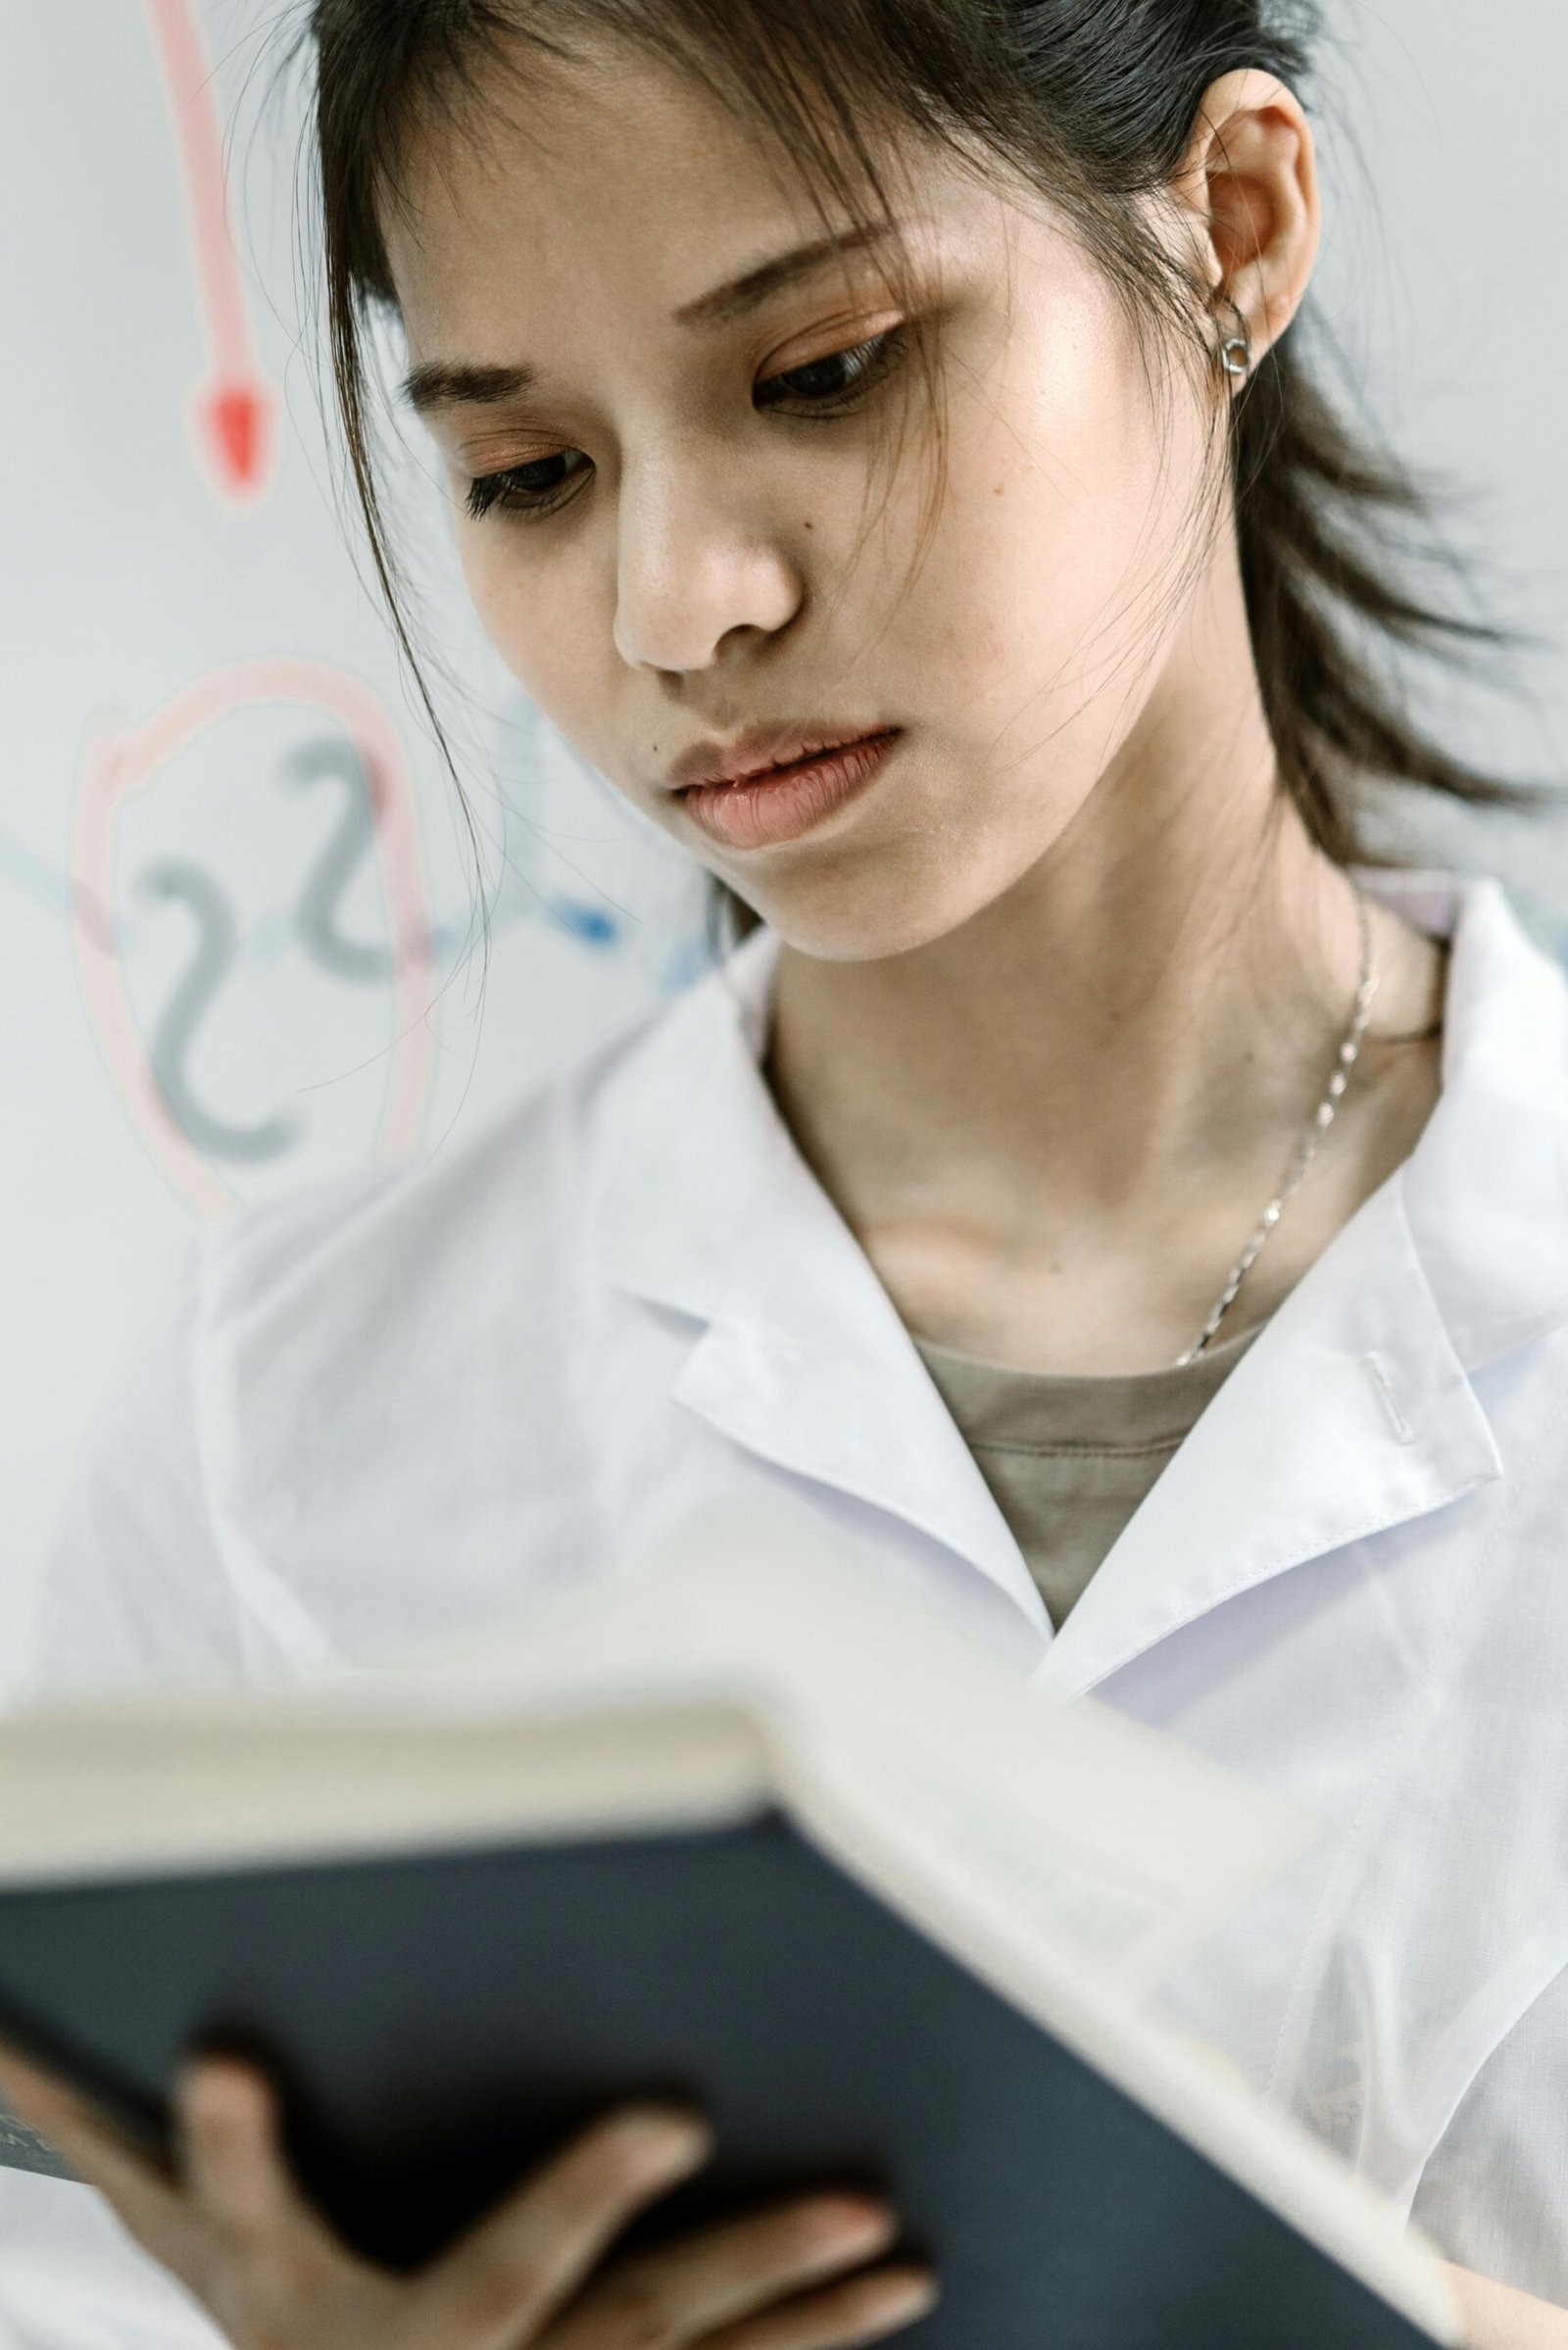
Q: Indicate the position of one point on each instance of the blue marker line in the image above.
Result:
(35, 876)
(589, 923)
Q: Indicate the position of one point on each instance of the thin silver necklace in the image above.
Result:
(1317, 1127)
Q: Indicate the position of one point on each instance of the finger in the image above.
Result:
(151, 2207)
(863, 2309)
(694, 2287)
(234, 2167)
(515, 2270)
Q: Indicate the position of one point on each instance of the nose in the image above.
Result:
(699, 571)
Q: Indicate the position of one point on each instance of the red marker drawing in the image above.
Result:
(232, 416)
(120, 766)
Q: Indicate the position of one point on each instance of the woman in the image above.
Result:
(876, 437)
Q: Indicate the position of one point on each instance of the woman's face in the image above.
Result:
(696, 552)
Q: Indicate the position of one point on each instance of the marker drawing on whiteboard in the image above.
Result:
(152, 1074)
(234, 415)
(523, 895)
(169, 1048)
(350, 844)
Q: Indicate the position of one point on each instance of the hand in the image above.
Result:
(1499, 2316)
(538, 2273)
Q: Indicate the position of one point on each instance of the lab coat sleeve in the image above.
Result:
(132, 1585)
(71, 2279)
(1493, 2195)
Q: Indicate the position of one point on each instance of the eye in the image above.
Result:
(838, 379)
(536, 488)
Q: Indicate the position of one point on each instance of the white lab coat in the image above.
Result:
(402, 1406)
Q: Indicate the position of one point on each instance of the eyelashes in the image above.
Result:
(864, 364)
(825, 387)
(520, 488)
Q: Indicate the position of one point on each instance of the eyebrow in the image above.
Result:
(437, 384)
(739, 296)
(455, 383)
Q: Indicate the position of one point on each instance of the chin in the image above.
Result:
(849, 919)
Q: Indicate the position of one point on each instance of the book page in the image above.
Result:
(1125, 1847)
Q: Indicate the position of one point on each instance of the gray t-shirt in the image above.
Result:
(1070, 1458)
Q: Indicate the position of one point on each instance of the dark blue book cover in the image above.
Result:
(438, 2020)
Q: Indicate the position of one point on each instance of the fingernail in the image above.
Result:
(857, 2221)
(906, 2293)
(212, 2092)
(664, 2135)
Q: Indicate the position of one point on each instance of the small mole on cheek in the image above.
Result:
(996, 492)
(808, 525)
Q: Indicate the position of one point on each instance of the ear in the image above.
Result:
(1247, 189)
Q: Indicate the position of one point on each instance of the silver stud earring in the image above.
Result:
(1235, 351)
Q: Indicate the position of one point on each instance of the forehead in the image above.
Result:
(609, 183)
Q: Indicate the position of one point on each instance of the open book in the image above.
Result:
(747, 1825)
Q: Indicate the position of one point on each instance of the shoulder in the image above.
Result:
(437, 1249)
(362, 1414)
(495, 1234)
(414, 1385)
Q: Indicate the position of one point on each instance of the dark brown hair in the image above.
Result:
(1095, 101)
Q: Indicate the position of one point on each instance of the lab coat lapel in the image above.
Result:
(797, 1352)
(1487, 1188)
(1354, 1410)
(1351, 1413)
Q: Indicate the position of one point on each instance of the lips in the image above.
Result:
(763, 750)
(762, 807)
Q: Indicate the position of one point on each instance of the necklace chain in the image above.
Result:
(1317, 1127)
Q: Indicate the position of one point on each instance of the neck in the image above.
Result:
(1101, 1078)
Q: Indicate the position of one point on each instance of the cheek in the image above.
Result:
(1064, 509)
(549, 620)
(536, 617)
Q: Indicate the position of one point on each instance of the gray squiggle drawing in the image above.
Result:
(351, 842)
(174, 1033)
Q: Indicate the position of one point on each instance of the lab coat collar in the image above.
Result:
(799, 1355)
(1487, 1188)
(1354, 1410)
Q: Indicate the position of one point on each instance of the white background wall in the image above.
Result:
(175, 788)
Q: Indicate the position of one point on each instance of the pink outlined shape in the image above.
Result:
(234, 415)
(117, 766)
